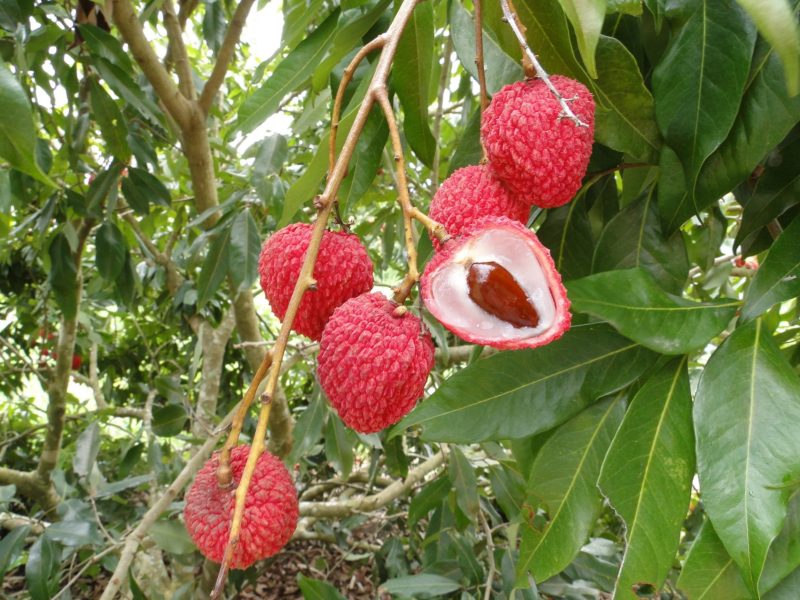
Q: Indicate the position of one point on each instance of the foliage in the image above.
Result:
(653, 448)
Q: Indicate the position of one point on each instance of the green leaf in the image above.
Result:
(102, 190)
(699, 82)
(777, 23)
(214, 24)
(291, 72)
(411, 76)
(468, 151)
(567, 232)
(512, 394)
(745, 414)
(625, 114)
(119, 80)
(628, 7)
(103, 44)
(428, 498)
(634, 238)
(63, 275)
(784, 552)
(339, 444)
(140, 188)
(169, 420)
(11, 547)
(778, 279)
(308, 428)
(86, 449)
(314, 589)
(500, 68)
(462, 478)
(634, 304)
(647, 475)
(111, 121)
(586, 17)
(709, 572)
(215, 267)
(365, 162)
(111, 250)
(42, 568)
(425, 583)
(271, 154)
(509, 489)
(564, 479)
(172, 537)
(245, 248)
(17, 133)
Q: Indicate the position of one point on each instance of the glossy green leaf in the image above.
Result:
(625, 114)
(425, 583)
(297, 15)
(111, 121)
(564, 479)
(102, 43)
(86, 449)
(628, 7)
(120, 80)
(215, 267)
(17, 133)
(214, 24)
(464, 482)
(11, 547)
(111, 250)
(647, 476)
(244, 251)
(634, 238)
(428, 498)
(637, 307)
(567, 232)
(778, 278)
(291, 73)
(698, 84)
(500, 68)
(41, 570)
(365, 162)
(786, 589)
(308, 427)
(516, 394)
(509, 489)
(411, 76)
(63, 275)
(314, 589)
(468, 151)
(339, 443)
(169, 420)
(784, 552)
(172, 537)
(777, 23)
(709, 572)
(140, 188)
(271, 154)
(744, 414)
(586, 17)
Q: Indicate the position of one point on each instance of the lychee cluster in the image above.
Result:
(270, 510)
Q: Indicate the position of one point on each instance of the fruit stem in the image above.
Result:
(512, 18)
(324, 206)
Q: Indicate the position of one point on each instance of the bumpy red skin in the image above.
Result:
(537, 152)
(373, 364)
(470, 194)
(563, 318)
(343, 271)
(270, 512)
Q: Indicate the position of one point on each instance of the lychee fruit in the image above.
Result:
(469, 194)
(343, 270)
(497, 286)
(536, 150)
(374, 359)
(270, 511)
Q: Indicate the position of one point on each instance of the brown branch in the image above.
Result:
(127, 22)
(479, 55)
(305, 278)
(185, 11)
(225, 55)
(176, 51)
(512, 18)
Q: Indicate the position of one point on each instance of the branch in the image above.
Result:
(512, 18)
(128, 24)
(176, 52)
(213, 342)
(479, 55)
(225, 55)
(186, 9)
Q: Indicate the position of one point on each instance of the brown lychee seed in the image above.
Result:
(497, 286)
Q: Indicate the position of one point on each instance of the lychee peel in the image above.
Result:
(374, 360)
(532, 147)
(472, 193)
(343, 270)
(446, 294)
(270, 511)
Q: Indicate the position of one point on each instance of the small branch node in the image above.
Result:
(265, 399)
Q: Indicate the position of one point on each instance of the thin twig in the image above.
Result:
(176, 52)
(490, 552)
(479, 55)
(512, 18)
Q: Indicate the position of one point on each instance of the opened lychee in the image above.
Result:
(374, 359)
(497, 286)
(343, 270)
(470, 194)
(532, 146)
(270, 510)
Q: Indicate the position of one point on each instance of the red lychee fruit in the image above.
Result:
(76, 362)
(374, 359)
(270, 511)
(343, 270)
(472, 193)
(532, 147)
(497, 286)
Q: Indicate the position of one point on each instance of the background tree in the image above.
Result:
(653, 447)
